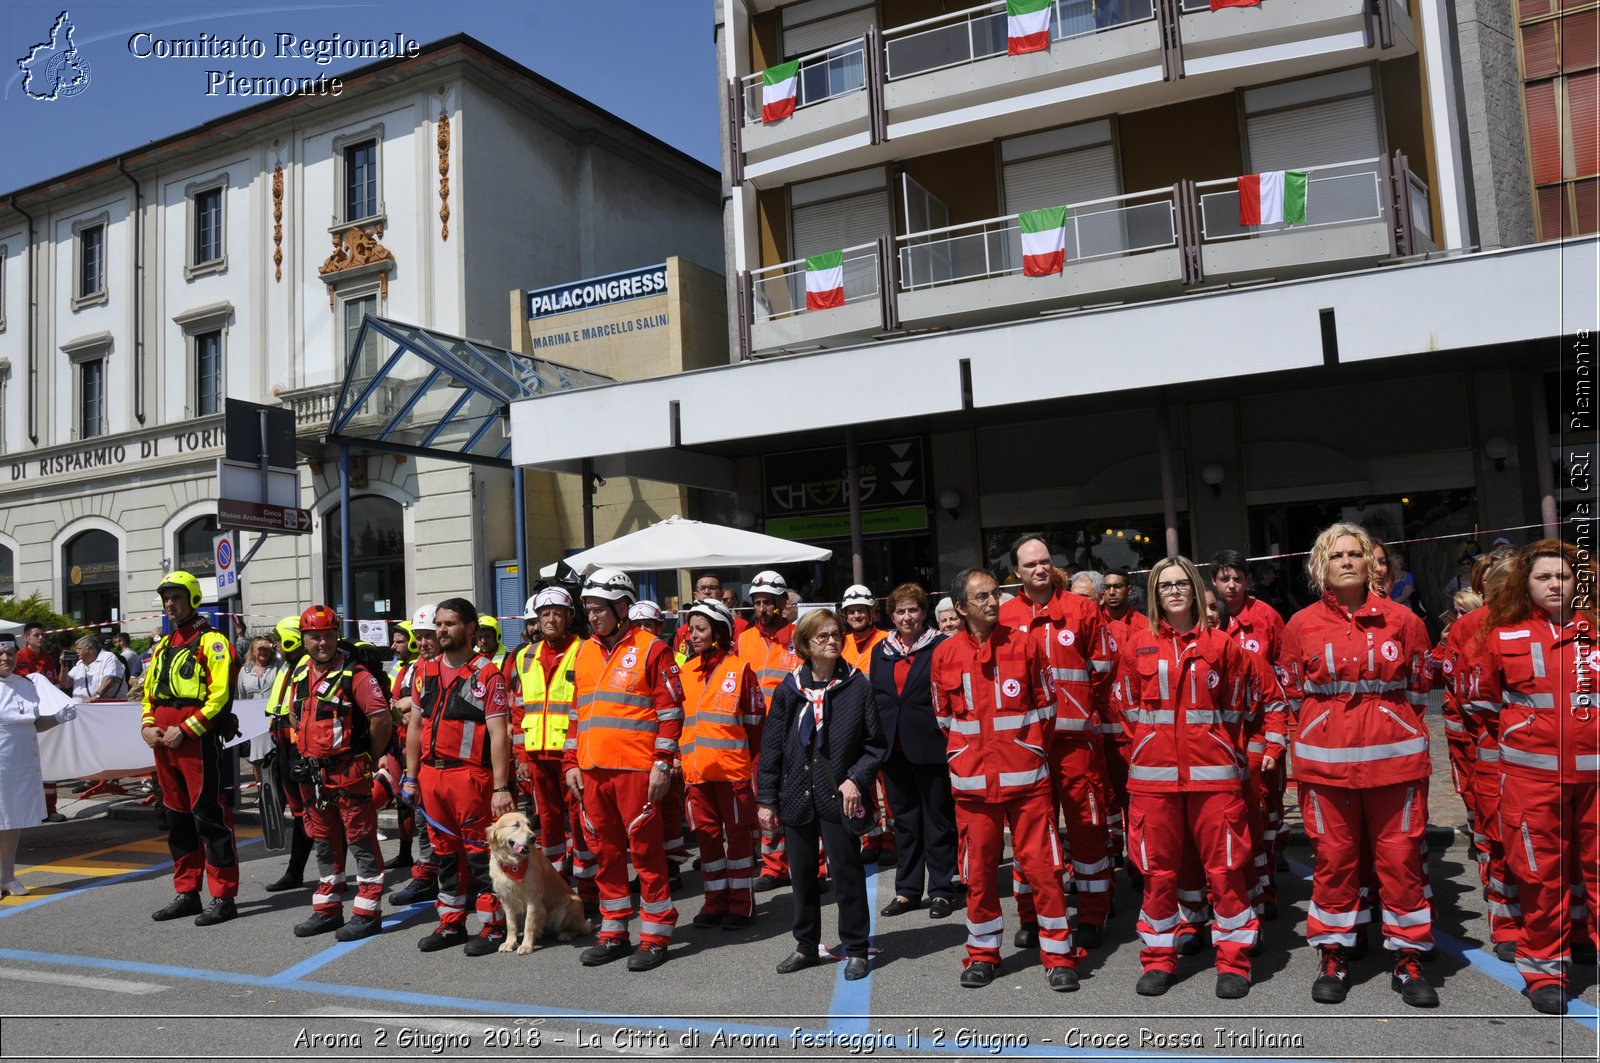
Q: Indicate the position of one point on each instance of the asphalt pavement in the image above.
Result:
(85, 974)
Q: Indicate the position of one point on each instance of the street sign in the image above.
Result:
(244, 482)
(238, 513)
(225, 550)
(243, 433)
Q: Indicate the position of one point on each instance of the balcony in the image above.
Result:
(1124, 247)
(779, 319)
(1135, 247)
(946, 81)
(313, 408)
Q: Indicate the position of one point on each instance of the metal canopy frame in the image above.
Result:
(438, 395)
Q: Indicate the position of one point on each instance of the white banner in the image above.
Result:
(104, 742)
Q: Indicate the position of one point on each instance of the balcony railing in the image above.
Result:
(977, 33)
(313, 407)
(833, 72)
(1341, 193)
(780, 291)
(1099, 228)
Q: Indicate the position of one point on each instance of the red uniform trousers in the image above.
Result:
(1161, 828)
(346, 819)
(199, 825)
(673, 807)
(561, 824)
(1388, 822)
(1501, 886)
(1463, 753)
(1077, 779)
(879, 837)
(622, 826)
(456, 799)
(1552, 831)
(1115, 754)
(721, 814)
(1037, 851)
(386, 792)
(1264, 824)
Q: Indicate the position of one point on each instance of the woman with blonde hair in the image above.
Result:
(1357, 668)
(1539, 669)
(1183, 688)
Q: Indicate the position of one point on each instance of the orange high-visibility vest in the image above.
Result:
(772, 660)
(614, 715)
(861, 659)
(716, 732)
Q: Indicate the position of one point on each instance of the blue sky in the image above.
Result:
(650, 62)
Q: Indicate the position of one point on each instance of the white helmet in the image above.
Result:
(609, 584)
(645, 610)
(713, 611)
(769, 582)
(422, 619)
(856, 594)
(549, 596)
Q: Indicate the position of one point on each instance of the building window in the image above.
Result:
(377, 561)
(89, 255)
(5, 253)
(91, 571)
(193, 548)
(1560, 88)
(208, 373)
(364, 366)
(8, 579)
(91, 398)
(358, 172)
(208, 227)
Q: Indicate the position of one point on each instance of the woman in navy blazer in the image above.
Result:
(916, 776)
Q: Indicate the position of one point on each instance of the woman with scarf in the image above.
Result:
(821, 747)
(915, 773)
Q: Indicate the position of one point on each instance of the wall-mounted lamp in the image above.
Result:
(1497, 449)
(1213, 475)
(950, 502)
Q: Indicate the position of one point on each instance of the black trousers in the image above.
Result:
(924, 826)
(843, 850)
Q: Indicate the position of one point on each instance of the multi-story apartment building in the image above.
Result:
(1185, 381)
(240, 259)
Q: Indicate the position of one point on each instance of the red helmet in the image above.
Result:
(319, 618)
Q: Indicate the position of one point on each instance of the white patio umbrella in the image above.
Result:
(679, 543)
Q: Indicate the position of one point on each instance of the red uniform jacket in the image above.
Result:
(1360, 685)
(1077, 645)
(994, 704)
(1543, 681)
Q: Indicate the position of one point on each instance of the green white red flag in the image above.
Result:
(825, 280)
(1027, 26)
(1218, 5)
(1044, 241)
(777, 90)
(1272, 198)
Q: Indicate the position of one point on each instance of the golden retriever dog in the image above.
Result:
(536, 899)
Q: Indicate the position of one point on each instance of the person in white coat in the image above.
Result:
(22, 717)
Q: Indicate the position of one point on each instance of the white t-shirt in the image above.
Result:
(87, 678)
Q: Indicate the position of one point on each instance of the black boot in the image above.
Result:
(294, 876)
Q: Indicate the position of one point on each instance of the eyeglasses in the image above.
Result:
(827, 636)
(1174, 585)
(983, 596)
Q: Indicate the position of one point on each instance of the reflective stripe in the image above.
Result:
(1420, 917)
(1209, 717)
(1056, 946)
(663, 930)
(1327, 649)
(469, 730)
(992, 926)
(719, 743)
(1242, 937)
(1214, 772)
(1405, 816)
(617, 697)
(1158, 941)
(1015, 723)
(1361, 686)
(1488, 755)
(966, 727)
(1071, 723)
(1341, 920)
(1527, 844)
(1276, 738)
(1537, 761)
(1069, 675)
(1054, 922)
(983, 941)
(966, 691)
(966, 782)
(1556, 968)
(1024, 778)
(1451, 724)
(1162, 678)
(1157, 717)
(615, 723)
(1159, 925)
(1536, 651)
(1090, 869)
(1530, 701)
(1152, 774)
(656, 907)
(1102, 666)
(1586, 763)
(1361, 754)
(1235, 922)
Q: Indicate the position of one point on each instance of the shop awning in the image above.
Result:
(417, 391)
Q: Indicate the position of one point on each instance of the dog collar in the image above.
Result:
(516, 872)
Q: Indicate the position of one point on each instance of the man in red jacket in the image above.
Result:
(992, 697)
(1074, 640)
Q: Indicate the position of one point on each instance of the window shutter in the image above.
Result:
(841, 223)
(1315, 135)
(1058, 180)
(825, 32)
(1544, 133)
(1582, 116)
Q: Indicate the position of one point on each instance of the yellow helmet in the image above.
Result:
(180, 580)
(289, 634)
(411, 636)
(492, 624)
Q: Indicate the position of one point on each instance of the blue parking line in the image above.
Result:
(340, 949)
(851, 1006)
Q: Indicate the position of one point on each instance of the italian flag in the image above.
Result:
(1044, 241)
(1027, 26)
(777, 91)
(1218, 5)
(825, 280)
(1272, 198)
